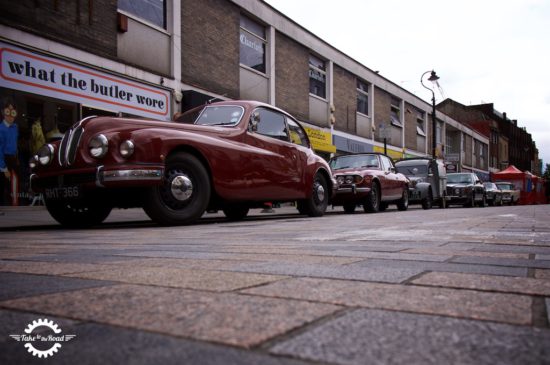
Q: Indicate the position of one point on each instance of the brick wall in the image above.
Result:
(210, 45)
(292, 77)
(345, 100)
(90, 26)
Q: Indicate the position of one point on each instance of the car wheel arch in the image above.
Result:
(196, 153)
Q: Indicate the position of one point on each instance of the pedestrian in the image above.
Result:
(9, 163)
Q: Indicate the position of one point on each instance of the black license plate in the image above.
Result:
(66, 192)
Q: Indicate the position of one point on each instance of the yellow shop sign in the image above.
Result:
(320, 140)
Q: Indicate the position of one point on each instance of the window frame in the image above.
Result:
(363, 92)
(285, 124)
(321, 71)
(395, 108)
(251, 33)
(148, 22)
(420, 123)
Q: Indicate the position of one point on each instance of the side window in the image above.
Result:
(272, 124)
(297, 134)
(386, 163)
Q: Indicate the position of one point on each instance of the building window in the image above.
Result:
(362, 97)
(438, 132)
(395, 112)
(252, 44)
(420, 123)
(152, 11)
(317, 77)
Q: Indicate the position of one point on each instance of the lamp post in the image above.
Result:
(433, 78)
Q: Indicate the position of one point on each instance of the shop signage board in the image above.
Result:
(320, 140)
(31, 72)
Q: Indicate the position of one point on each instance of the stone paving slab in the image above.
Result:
(542, 274)
(539, 264)
(181, 278)
(228, 318)
(102, 344)
(507, 308)
(380, 274)
(367, 336)
(48, 268)
(503, 284)
(442, 266)
(451, 252)
(22, 285)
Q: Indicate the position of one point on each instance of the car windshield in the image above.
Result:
(489, 185)
(225, 115)
(354, 161)
(506, 186)
(413, 170)
(460, 179)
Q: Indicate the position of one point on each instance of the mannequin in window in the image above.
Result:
(9, 164)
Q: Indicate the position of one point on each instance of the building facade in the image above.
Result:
(62, 61)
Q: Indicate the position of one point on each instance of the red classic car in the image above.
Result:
(370, 180)
(230, 156)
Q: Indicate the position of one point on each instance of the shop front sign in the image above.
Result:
(320, 140)
(38, 74)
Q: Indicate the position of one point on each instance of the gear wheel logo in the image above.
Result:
(32, 336)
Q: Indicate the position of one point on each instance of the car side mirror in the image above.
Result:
(254, 121)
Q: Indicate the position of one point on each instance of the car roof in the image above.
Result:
(413, 161)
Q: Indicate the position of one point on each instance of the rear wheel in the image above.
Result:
(235, 212)
(184, 194)
(372, 201)
(349, 208)
(78, 214)
(316, 204)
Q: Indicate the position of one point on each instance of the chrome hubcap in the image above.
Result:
(320, 192)
(181, 188)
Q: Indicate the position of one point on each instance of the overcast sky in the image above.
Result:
(484, 51)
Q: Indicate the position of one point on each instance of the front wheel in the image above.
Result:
(78, 214)
(403, 203)
(349, 207)
(427, 201)
(184, 193)
(372, 201)
(316, 204)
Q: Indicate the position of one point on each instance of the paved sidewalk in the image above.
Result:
(453, 286)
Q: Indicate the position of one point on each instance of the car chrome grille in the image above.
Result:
(69, 145)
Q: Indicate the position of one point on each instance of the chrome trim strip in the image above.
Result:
(352, 190)
(130, 175)
(99, 176)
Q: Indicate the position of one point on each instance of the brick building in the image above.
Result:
(63, 61)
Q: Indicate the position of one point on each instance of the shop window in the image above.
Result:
(253, 42)
(317, 77)
(152, 11)
(362, 97)
(420, 123)
(395, 112)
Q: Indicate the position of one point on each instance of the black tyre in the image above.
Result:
(184, 194)
(349, 207)
(383, 206)
(78, 214)
(316, 204)
(403, 203)
(372, 201)
(428, 200)
(483, 202)
(235, 212)
(471, 202)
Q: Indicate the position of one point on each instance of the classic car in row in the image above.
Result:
(466, 189)
(493, 193)
(369, 180)
(510, 194)
(428, 180)
(228, 156)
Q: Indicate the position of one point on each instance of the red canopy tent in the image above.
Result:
(531, 186)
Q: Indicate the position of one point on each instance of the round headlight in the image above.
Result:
(340, 180)
(44, 155)
(98, 146)
(126, 148)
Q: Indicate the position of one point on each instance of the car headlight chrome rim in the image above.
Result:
(98, 146)
(44, 156)
(126, 148)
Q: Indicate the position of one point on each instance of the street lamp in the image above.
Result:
(433, 78)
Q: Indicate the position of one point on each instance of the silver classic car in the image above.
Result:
(428, 180)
